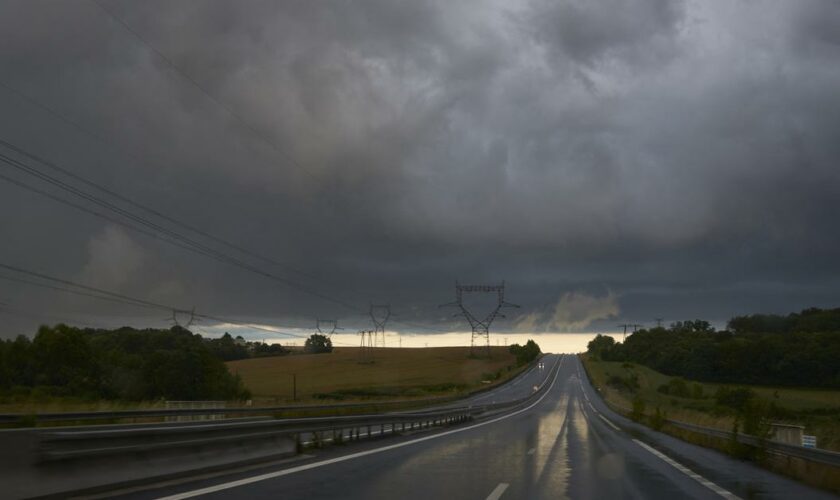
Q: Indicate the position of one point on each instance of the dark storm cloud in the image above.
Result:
(632, 158)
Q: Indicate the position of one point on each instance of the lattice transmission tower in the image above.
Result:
(379, 314)
(177, 322)
(480, 326)
(327, 323)
(366, 346)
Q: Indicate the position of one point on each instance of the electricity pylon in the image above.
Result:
(634, 326)
(175, 321)
(379, 314)
(480, 326)
(327, 323)
(366, 346)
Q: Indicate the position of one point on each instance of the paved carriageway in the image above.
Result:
(565, 445)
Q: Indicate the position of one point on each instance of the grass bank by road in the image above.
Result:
(395, 373)
(620, 383)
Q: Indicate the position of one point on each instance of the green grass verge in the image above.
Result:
(817, 409)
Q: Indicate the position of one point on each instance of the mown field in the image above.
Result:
(817, 409)
(395, 373)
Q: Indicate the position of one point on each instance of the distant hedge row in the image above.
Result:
(743, 354)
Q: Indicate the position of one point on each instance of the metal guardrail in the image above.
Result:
(77, 443)
(813, 454)
(374, 406)
(182, 412)
(57, 444)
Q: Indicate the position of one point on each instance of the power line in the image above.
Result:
(133, 203)
(191, 244)
(168, 236)
(108, 295)
(89, 211)
(70, 291)
(145, 208)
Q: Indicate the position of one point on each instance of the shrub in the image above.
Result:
(657, 420)
(736, 398)
(638, 409)
(629, 383)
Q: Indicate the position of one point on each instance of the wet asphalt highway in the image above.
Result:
(566, 444)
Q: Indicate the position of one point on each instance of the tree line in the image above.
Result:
(124, 364)
(525, 353)
(801, 349)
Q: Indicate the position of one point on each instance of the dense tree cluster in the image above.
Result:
(525, 353)
(317, 343)
(125, 364)
(228, 348)
(797, 350)
(811, 320)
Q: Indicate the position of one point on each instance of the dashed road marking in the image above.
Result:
(498, 492)
(314, 465)
(688, 472)
(608, 422)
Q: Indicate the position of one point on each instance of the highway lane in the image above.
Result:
(565, 445)
(521, 386)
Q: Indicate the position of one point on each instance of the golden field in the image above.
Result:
(395, 373)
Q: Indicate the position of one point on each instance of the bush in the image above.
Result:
(657, 420)
(629, 383)
(638, 409)
(736, 398)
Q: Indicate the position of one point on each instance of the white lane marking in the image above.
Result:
(497, 493)
(531, 451)
(494, 392)
(608, 422)
(685, 470)
(300, 468)
(688, 472)
(605, 419)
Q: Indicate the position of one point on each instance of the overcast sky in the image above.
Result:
(611, 160)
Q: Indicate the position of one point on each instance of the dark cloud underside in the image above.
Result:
(633, 158)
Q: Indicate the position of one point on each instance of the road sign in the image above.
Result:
(809, 441)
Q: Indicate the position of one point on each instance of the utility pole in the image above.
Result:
(480, 327)
(658, 322)
(379, 314)
(294, 387)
